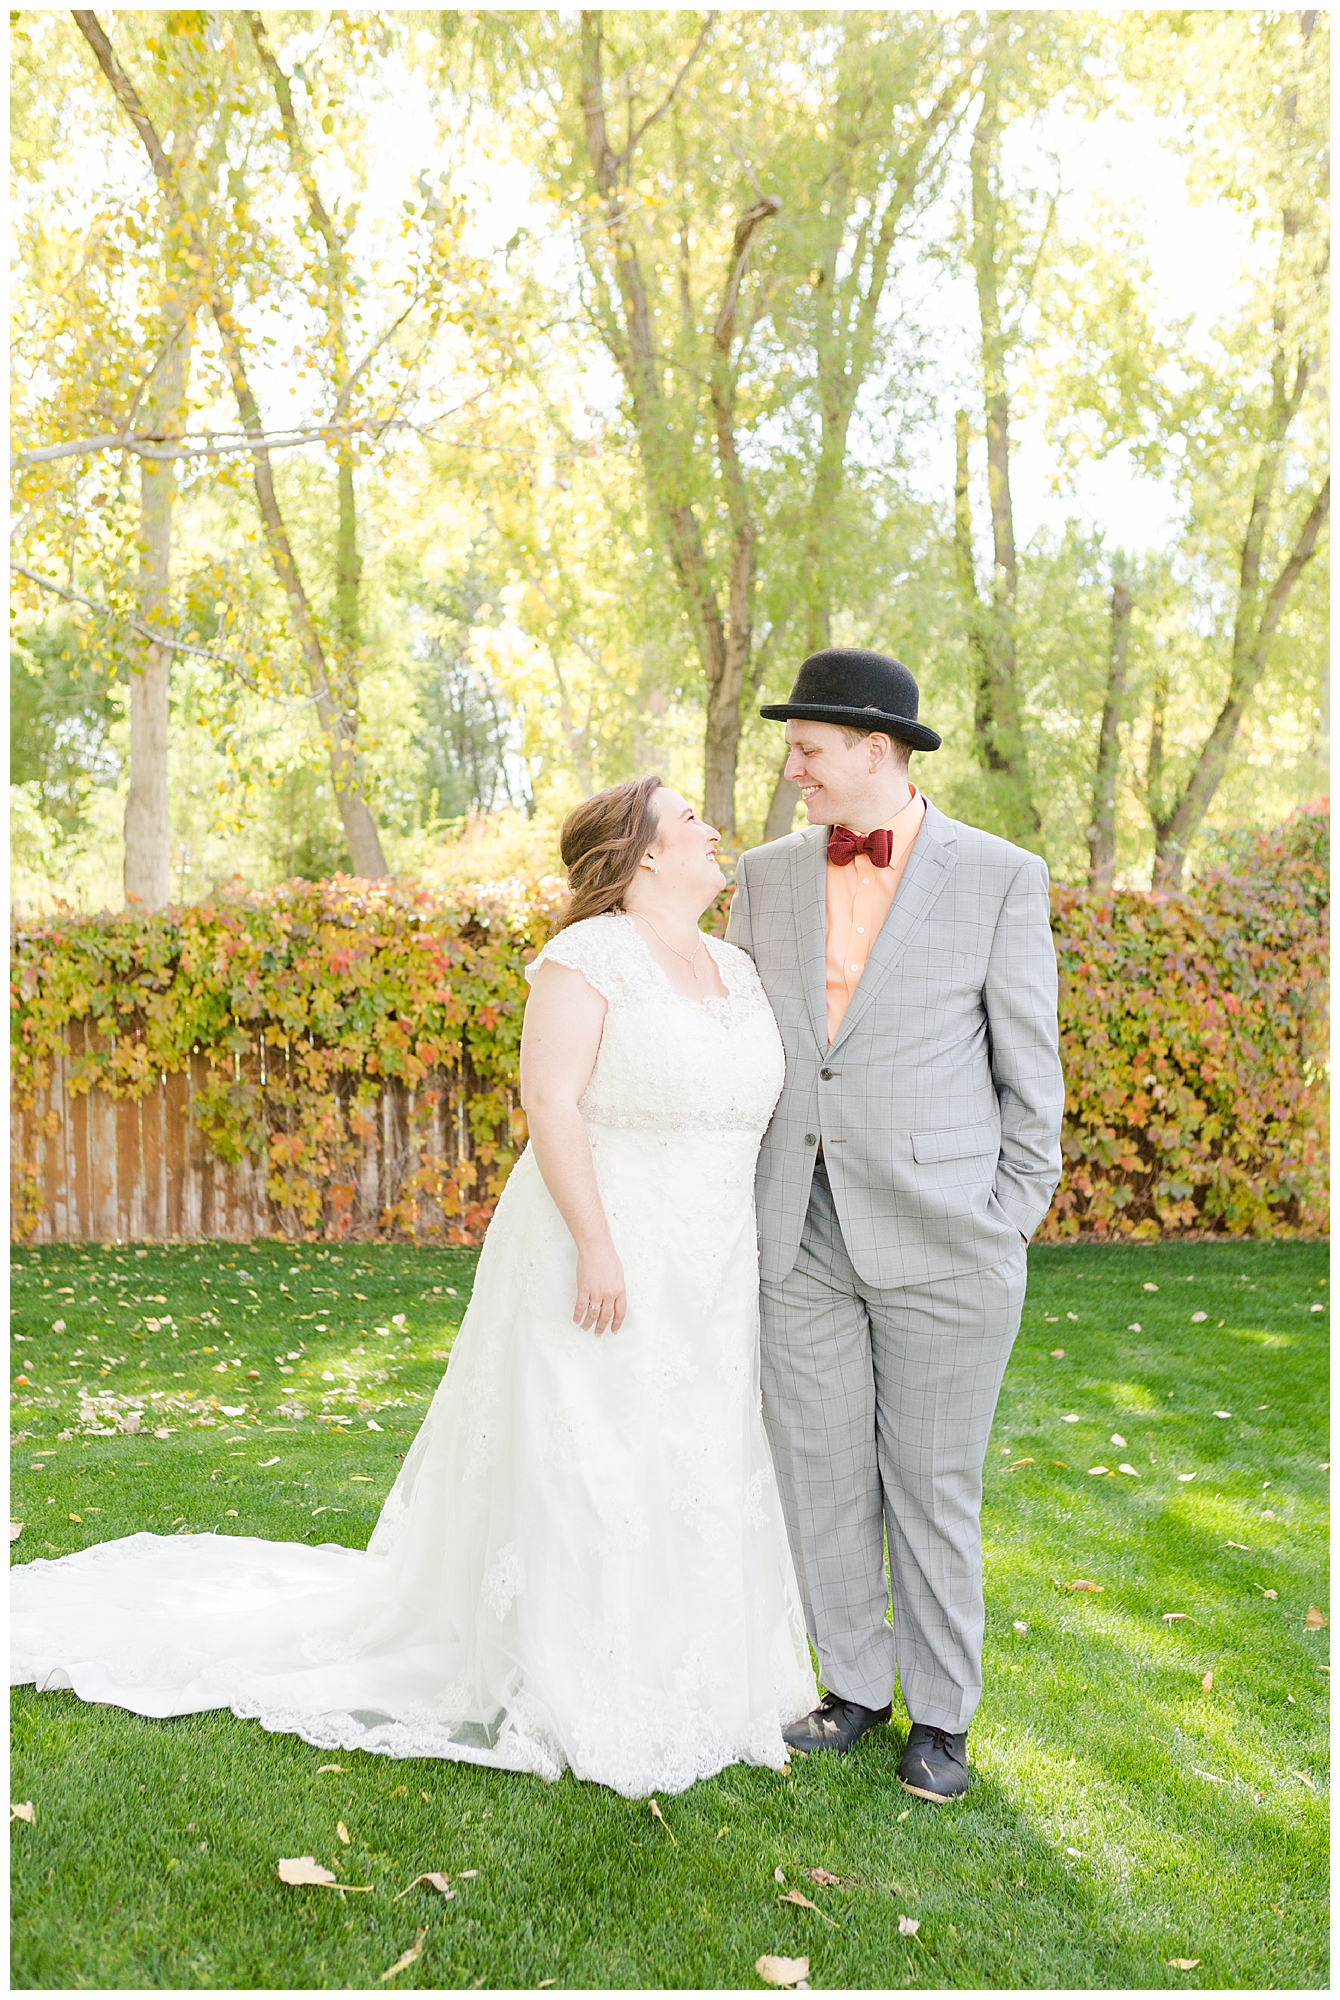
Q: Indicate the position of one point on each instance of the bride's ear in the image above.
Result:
(650, 861)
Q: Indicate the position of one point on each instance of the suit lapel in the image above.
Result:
(929, 867)
(807, 896)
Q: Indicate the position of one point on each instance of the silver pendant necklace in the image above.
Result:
(689, 960)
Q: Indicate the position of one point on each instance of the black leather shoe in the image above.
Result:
(834, 1725)
(935, 1763)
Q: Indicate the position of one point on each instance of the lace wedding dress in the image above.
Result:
(583, 1562)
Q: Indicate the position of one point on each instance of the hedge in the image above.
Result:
(1193, 1038)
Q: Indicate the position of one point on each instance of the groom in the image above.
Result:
(915, 1148)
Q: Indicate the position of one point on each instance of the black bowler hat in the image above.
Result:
(857, 690)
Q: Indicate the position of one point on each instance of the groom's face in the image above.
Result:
(834, 776)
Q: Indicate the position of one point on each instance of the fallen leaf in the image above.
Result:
(343, 1832)
(1314, 1619)
(804, 1903)
(405, 1959)
(1305, 1778)
(1151, 1288)
(1170, 1617)
(1269, 1593)
(908, 1926)
(1207, 1682)
(399, 1792)
(79, 1518)
(58, 1326)
(15, 1530)
(1072, 1419)
(1196, 1318)
(1058, 1354)
(1123, 1467)
(657, 1814)
(1019, 1625)
(1097, 1471)
(1072, 1315)
(328, 1767)
(163, 1433)
(268, 1461)
(1074, 1853)
(778, 1875)
(1185, 1477)
(1238, 1545)
(823, 1878)
(372, 1426)
(434, 1881)
(1119, 1442)
(1184, 1964)
(467, 1875)
(306, 1872)
(1135, 1327)
(1020, 1461)
(26, 1811)
(781, 1971)
(1080, 1583)
(905, 1812)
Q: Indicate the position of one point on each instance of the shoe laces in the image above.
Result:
(944, 1741)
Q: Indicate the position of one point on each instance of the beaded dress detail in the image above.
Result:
(582, 1564)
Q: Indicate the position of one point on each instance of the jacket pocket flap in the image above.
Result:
(963, 1143)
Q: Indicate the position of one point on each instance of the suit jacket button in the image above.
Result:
(827, 1075)
(810, 1139)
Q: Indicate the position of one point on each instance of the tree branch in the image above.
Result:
(635, 138)
(164, 639)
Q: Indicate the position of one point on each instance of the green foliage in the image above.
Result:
(1193, 1039)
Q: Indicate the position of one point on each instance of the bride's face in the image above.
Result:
(685, 849)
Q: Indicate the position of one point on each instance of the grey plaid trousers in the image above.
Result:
(878, 1405)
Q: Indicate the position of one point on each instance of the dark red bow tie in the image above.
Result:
(844, 846)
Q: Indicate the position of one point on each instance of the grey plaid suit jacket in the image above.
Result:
(939, 1103)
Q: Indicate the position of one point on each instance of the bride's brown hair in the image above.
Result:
(601, 841)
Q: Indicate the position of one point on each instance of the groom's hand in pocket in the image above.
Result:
(602, 1298)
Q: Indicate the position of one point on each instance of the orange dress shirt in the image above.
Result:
(857, 898)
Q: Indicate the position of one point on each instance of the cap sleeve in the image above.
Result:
(595, 948)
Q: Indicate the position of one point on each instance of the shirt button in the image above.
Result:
(856, 968)
(865, 881)
(860, 930)
(827, 1075)
(809, 1139)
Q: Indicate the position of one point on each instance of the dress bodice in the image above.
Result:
(665, 1063)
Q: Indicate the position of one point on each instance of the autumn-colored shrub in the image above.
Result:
(307, 1003)
(1193, 1035)
(1193, 1040)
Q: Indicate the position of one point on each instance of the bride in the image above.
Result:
(583, 1563)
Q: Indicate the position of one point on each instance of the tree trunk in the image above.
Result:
(998, 719)
(1102, 834)
(723, 645)
(782, 808)
(360, 828)
(148, 859)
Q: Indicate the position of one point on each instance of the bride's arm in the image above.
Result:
(559, 1042)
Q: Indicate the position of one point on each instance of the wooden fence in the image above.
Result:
(91, 1167)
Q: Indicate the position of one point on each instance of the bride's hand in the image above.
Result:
(602, 1299)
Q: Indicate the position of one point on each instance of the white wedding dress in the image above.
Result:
(583, 1562)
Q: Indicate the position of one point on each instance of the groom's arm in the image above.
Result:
(739, 930)
(1020, 997)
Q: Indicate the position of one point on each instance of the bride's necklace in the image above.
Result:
(690, 959)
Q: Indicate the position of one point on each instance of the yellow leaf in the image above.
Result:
(405, 1959)
(657, 1814)
(823, 1878)
(15, 1530)
(908, 1926)
(1207, 1682)
(305, 1872)
(1184, 1964)
(1305, 1778)
(26, 1811)
(343, 1831)
(434, 1881)
(782, 1971)
(328, 1767)
(1314, 1619)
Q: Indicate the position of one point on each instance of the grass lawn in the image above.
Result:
(1149, 1787)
